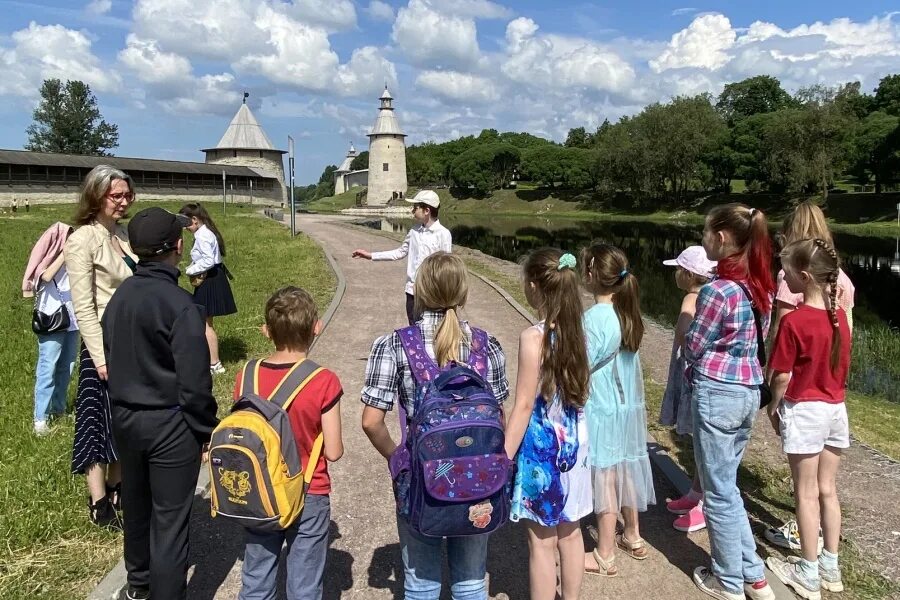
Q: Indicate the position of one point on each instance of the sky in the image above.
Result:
(171, 73)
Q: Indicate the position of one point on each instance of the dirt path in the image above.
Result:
(364, 556)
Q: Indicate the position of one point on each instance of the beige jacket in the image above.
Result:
(96, 270)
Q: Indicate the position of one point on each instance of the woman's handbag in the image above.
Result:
(765, 393)
(42, 323)
(198, 279)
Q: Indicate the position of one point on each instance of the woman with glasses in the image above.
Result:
(98, 259)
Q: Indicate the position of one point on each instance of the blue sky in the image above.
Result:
(170, 73)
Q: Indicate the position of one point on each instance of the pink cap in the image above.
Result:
(694, 259)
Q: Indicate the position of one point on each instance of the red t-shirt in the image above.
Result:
(803, 349)
(305, 412)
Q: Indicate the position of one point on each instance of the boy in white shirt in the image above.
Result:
(426, 238)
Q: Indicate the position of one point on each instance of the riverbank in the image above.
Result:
(50, 548)
(857, 214)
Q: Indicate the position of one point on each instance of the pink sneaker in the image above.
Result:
(691, 521)
(682, 505)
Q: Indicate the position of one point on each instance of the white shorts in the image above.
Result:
(807, 427)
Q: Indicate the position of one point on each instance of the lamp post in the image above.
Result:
(251, 192)
(224, 195)
(291, 167)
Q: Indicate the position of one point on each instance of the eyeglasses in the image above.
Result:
(118, 198)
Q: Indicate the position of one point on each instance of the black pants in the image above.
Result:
(160, 457)
(411, 309)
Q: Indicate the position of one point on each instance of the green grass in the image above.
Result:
(334, 203)
(50, 549)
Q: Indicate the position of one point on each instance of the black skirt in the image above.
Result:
(214, 294)
(93, 421)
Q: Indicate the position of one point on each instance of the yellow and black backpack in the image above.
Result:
(254, 465)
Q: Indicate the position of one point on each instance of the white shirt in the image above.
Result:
(420, 243)
(205, 253)
(50, 297)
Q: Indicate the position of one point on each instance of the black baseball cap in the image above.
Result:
(154, 231)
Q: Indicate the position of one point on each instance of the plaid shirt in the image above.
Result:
(721, 342)
(388, 374)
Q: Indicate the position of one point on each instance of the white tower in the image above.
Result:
(340, 183)
(387, 156)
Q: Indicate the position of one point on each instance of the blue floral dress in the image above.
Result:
(553, 479)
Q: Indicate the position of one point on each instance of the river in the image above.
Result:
(873, 264)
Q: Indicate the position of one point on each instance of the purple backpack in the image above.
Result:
(451, 473)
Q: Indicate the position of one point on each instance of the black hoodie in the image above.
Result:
(155, 344)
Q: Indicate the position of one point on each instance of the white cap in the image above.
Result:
(694, 259)
(426, 197)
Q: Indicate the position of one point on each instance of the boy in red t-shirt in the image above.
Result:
(292, 324)
(810, 362)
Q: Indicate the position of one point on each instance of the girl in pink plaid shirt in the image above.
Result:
(721, 349)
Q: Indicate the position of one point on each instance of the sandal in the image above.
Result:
(606, 568)
(114, 493)
(636, 549)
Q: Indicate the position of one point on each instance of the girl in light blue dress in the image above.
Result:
(615, 411)
(546, 433)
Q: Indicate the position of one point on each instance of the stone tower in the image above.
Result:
(246, 144)
(387, 156)
(340, 183)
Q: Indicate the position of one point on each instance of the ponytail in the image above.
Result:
(448, 338)
(831, 280)
(627, 302)
(605, 270)
(753, 259)
(564, 364)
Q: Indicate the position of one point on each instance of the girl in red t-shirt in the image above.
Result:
(810, 362)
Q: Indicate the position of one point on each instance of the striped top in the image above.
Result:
(721, 342)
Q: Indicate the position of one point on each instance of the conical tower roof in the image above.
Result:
(348, 160)
(245, 133)
(386, 122)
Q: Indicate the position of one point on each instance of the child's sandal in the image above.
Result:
(636, 549)
(605, 568)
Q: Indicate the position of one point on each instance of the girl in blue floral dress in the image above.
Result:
(546, 433)
(615, 411)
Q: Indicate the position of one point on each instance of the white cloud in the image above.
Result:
(169, 79)
(703, 44)
(380, 11)
(435, 39)
(366, 72)
(98, 7)
(51, 51)
(553, 62)
(459, 87)
(475, 9)
(332, 14)
(683, 11)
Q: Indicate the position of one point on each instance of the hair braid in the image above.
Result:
(832, 280)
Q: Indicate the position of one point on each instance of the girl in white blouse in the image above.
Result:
(209, 276)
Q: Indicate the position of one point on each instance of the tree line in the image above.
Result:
(753, 131)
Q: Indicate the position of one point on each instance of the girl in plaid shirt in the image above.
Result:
(721, 349)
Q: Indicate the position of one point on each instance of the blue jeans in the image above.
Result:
(723, 418)
(307, 546)
(422, 563)
(56, 359)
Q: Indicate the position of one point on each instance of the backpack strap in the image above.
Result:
(604, 361)
(313, 460)
(421, 365)
(250, 378)
(757, 318)
(478, 354)
(293, 382)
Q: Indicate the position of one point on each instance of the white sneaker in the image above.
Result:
(788, 536)
(41, 428)
(216, 369)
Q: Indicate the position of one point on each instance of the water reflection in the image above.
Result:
(873, 264)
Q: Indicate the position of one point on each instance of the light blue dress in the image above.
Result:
(553, 479)
(616, 417)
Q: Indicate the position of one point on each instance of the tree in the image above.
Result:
(875, 148)
(577, 138)
(887, 95)
(360, 162)
(753, 96)
(485, 167)
(67, 121)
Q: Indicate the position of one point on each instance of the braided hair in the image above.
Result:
(819, 258)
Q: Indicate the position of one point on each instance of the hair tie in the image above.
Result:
(623, 273)
(566, 261)
(752, 212)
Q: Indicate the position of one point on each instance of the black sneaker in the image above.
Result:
(114, 493)
(103, 514)
(134, 593)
